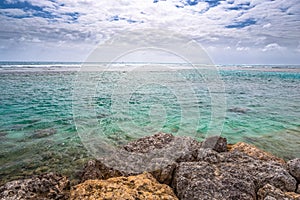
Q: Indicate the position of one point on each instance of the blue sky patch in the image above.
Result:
(118, 18)
(20, 5)
(242, 24)
(34, 11)
(241, 6)
(211, 3)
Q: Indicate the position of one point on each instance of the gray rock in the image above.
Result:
(157, 154)
(294, 168)
(202, 180)
(149, 143)
(95, 169)
(209, 156)
(298, 189)
(216, 143)
(228, 175)
(178, 149)
(262, 172)
(44, 187)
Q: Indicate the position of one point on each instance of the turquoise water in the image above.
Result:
(37, 125)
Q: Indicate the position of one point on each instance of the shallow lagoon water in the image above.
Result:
(38, 133)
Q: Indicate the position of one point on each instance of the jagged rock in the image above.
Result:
(176, 148)
(298, 189)
(143, 186)
(262, 172)
(157, 154)
(216, 143)
(228, 175)
(255, 152)
(95, 169)
(294, 168)
(209, 156)
(269, 192)
(148, 143)
(202, 180)
(44, 187)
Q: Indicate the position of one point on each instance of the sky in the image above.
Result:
(230, 31)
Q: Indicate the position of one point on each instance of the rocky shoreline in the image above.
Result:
(211, 169)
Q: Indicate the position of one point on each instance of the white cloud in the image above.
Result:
(91, 21)
(268, 25)
(272, 47)
(13, 12)
(242, 48)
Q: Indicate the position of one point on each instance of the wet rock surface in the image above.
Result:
(47, 186)
(142, 186)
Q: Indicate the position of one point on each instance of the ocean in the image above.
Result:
(52, 114)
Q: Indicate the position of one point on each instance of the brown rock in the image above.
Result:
(47, 186)
(293, 195)
(255, 152)
(143, 186)
(270, 192)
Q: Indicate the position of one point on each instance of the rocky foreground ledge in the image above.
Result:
(208, 170)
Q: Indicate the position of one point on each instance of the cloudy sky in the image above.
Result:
(231, 31)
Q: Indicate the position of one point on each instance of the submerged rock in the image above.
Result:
(143, 186)
(269, 192)
(255, 152)
(294, 168)
(47, 186)
(43, 133)
(238, 110)
(3, 134)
